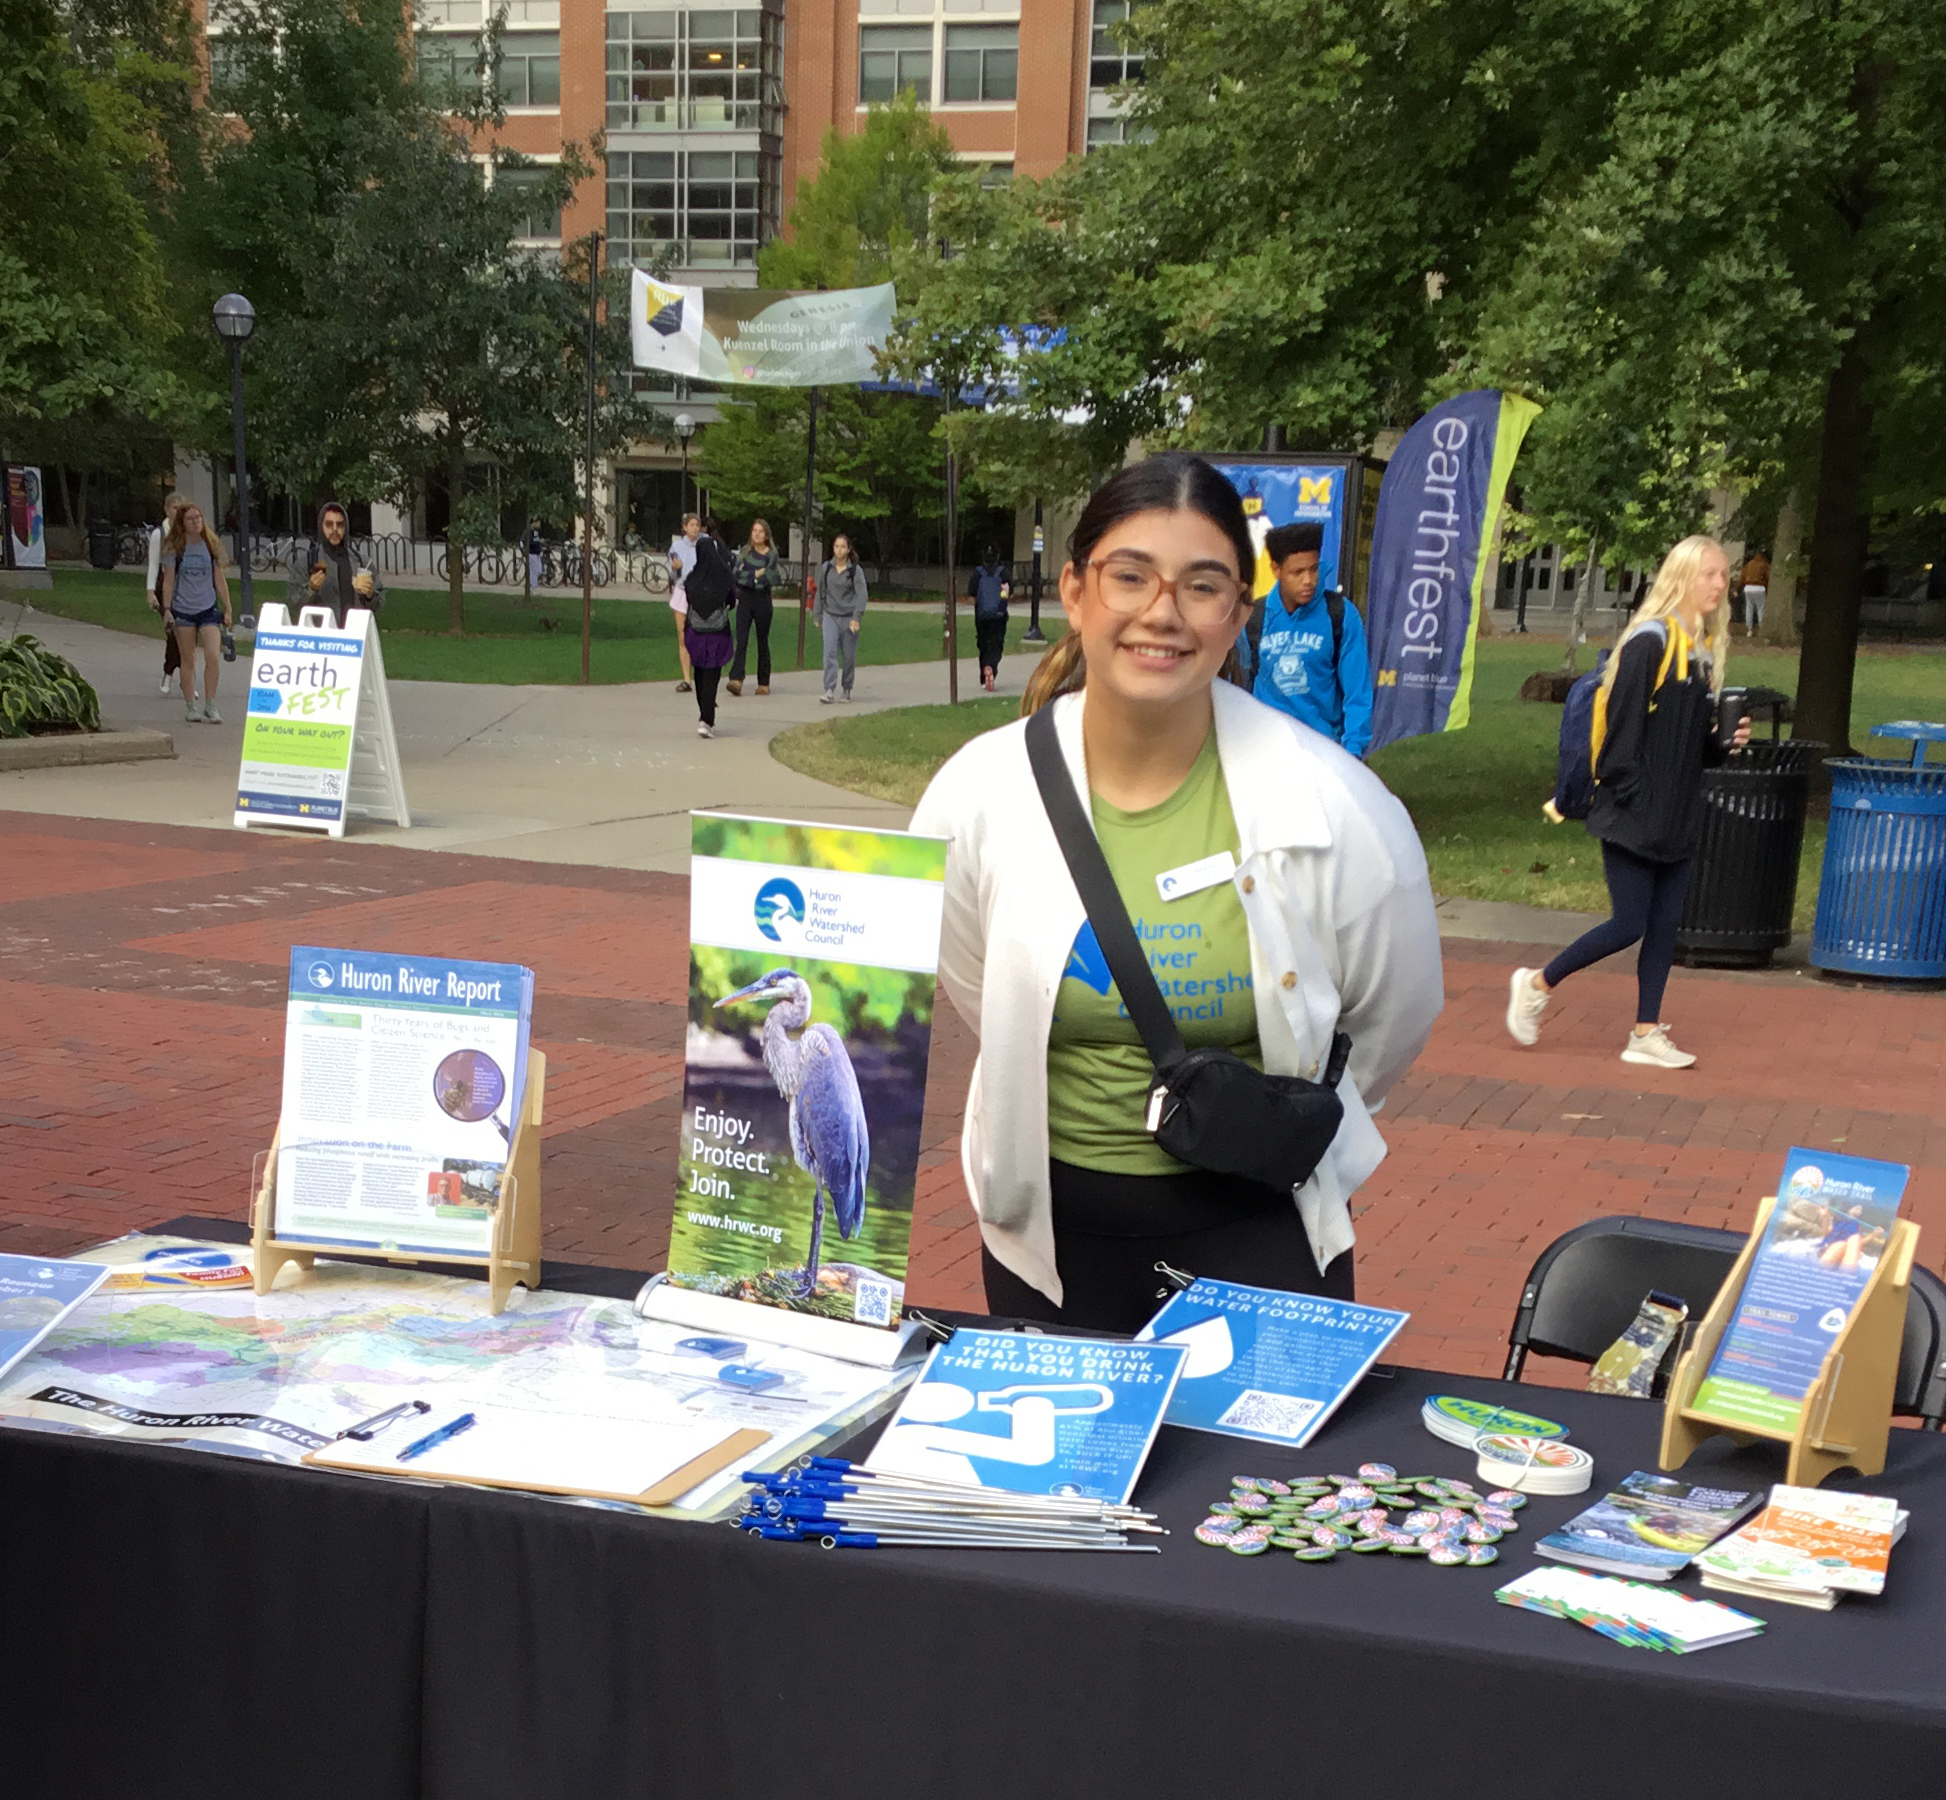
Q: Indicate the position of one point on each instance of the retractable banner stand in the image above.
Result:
(759, 337)
(318, 742)
(25, 525)
(1281, 490)
(1437, 511)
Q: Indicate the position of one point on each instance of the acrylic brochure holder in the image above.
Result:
(1846, 1416)
(872, 1345)
(514, 1255)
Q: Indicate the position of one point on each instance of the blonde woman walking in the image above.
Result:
(196, 599)
(1658, 699)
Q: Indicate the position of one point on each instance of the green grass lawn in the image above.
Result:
(513, 640)
(1474, 794)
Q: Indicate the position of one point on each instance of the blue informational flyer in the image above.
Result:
(1033, 1415)
(403, 1080)
(36, 1295)
(1265, 1364)
(1831, 1224)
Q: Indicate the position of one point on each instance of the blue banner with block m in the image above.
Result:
(1438, 508)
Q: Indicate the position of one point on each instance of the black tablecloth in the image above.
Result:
(179, 1624)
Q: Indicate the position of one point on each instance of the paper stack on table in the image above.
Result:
(1807, 1547)
(1649, 1527)
(1641, 1617)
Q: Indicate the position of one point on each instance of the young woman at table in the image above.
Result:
(1323, 922)
(1659, 696)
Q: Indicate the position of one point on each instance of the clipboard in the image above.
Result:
(344, 1456)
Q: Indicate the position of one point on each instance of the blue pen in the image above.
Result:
(433, 1439)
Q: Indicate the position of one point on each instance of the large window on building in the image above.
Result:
(891, 57)
(695, 70)
(948, 52)
(982, 62)
(530, 68)
(697, 209)
(1108, 62)
(541, 225)
(451, 65)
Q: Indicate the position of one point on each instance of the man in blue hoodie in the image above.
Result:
(1311, 658)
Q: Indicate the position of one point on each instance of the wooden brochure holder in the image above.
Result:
(1847, 1415)
(515, 1255)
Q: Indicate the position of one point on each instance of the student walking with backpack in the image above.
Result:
(171, 655)
(989, 590)
(196, 599)
(1653, 730)
(1311, 657)
(839, 611)
(712, 597)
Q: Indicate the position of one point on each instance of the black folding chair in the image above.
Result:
(1585, 1288)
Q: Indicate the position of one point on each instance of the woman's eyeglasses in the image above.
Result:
(1129, 587)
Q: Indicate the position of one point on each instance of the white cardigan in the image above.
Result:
(1342, 936)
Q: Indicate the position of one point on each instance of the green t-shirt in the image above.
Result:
(1098, 1074)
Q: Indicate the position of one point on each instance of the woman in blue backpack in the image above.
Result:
(1656, 713)
(989, 590)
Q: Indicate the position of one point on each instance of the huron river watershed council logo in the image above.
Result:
(778, 900)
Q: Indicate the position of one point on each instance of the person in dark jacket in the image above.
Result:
(1658, 720)
(989, 589)
(338, 576)
(756, 574)
(711, 591)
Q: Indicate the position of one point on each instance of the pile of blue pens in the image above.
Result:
(846, 1506)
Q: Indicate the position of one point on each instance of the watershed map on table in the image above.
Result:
(276, 1376)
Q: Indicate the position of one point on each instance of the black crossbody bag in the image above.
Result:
(1209, 1108)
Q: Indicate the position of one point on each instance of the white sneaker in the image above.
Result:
(1525, 1004)
(703, 730)
(192, 714)
(168, 681)
(826, 699)
(211, 714)
(1656, 1049)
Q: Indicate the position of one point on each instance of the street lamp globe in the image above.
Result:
(685, 427)
(234, 318)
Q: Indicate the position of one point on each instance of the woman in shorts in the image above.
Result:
(682, 559)
(196, 599)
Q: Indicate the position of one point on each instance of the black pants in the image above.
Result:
(1646, 898)
(1111, 1230)
(753, 608)
(992, 636)
(706, 680)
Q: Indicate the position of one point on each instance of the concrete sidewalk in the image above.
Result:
(601, 775)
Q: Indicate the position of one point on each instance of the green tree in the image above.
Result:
(492, 374)
(84, 147)
(879, 466)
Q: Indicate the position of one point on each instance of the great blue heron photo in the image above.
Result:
(813, 1072)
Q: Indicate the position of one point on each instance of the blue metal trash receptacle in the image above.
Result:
(1882, 896)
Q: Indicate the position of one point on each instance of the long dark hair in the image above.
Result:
(1172, 482)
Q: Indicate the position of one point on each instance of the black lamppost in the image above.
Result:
(685, 430)
(235, 318)
(1032, 635)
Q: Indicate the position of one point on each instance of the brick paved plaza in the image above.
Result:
(141, 991)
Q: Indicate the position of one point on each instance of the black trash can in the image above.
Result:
(101, 543)
(1743, 887)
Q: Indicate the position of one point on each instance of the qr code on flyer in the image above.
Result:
(871, 1302)
(1270, 1415)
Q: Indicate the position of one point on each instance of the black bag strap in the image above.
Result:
(1095, 883)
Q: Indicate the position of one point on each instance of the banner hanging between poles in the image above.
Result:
(759, 337)
(1438, 509)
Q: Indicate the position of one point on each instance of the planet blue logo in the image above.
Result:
(778, 899)
(1086, 964)
(321, 975)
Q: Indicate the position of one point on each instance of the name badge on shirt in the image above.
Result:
(1192, 878)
